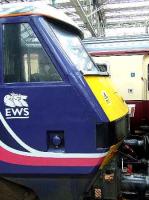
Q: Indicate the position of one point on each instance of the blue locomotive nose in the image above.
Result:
(51, 122)
(51, 113)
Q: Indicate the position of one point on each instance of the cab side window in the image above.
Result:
(24, 58)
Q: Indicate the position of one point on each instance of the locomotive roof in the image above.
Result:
(118, 46)
(37, 8)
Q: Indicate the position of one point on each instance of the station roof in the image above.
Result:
(36, 8)
(109, 17)
(104, 18)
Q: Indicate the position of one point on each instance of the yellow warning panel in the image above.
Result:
(111, 102)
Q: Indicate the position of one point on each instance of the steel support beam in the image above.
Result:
(83, 16)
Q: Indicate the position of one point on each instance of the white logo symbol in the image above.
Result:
(18, 106)
(15, 100)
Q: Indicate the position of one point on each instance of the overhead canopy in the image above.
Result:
(110, 17)
(37, 8)
(104, 18)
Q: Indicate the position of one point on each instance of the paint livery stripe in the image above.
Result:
(38, 158)
(12, 158)
(14, 136)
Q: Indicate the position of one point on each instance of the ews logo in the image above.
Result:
(16, 106)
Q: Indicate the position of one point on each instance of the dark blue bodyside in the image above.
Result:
(67, 106)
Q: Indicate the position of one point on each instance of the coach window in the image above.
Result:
(24, 58)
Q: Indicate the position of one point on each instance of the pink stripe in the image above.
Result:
(13, 158)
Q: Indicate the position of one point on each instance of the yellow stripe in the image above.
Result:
(111, 102)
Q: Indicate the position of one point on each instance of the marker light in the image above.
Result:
(56, 140)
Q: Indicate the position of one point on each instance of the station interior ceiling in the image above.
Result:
(105, 18)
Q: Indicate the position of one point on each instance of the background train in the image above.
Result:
(128, 58)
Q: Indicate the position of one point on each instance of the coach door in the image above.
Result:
(145, 77)
(147, 81)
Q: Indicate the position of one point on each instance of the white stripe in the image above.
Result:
(17, 117)
(35, 153)
(15, 137)
(53, 155)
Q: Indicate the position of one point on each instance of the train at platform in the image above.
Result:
(61, 120)
(64, 128)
